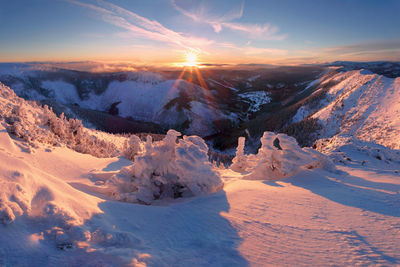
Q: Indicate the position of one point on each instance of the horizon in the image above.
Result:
(224, 33)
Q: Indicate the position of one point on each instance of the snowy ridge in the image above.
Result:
(361, 104)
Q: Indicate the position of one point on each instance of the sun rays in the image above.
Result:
(191, 74)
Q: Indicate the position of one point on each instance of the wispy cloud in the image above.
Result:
(138, 26)
(200, 12)
(256, 31)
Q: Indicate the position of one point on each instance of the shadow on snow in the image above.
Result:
(187, 232)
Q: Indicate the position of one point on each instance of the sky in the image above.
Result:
(218, 32)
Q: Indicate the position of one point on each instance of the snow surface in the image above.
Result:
(313, 218)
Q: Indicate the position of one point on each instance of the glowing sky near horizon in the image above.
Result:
(224, 31)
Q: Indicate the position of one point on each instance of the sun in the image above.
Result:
(191, 59)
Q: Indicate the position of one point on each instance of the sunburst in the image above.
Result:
(191, 59)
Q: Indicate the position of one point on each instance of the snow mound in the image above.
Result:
(279, 156)
(165, 169)
(26, 189)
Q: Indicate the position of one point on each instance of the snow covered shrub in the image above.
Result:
(133, 147)
(166, 169)
(279, 156)
(239, 161)
(36, 124)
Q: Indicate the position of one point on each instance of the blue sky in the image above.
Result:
(231, 31)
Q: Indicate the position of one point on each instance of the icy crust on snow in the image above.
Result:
(165, 169)
(280, 156)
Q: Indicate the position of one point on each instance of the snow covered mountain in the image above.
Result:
(358, 103)
(143, 96)
(388, 69)
(203, 103)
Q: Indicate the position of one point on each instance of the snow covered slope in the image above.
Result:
(169, 103)
(360, 104)
(49, 218)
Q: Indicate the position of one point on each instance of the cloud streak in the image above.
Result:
(201, 13)
(255, 31)
(139, 26)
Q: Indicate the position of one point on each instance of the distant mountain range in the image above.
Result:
(220, 104)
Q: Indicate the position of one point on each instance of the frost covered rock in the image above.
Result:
(279, 156)
(166, 169)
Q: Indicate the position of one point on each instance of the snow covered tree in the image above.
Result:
(239, 162)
